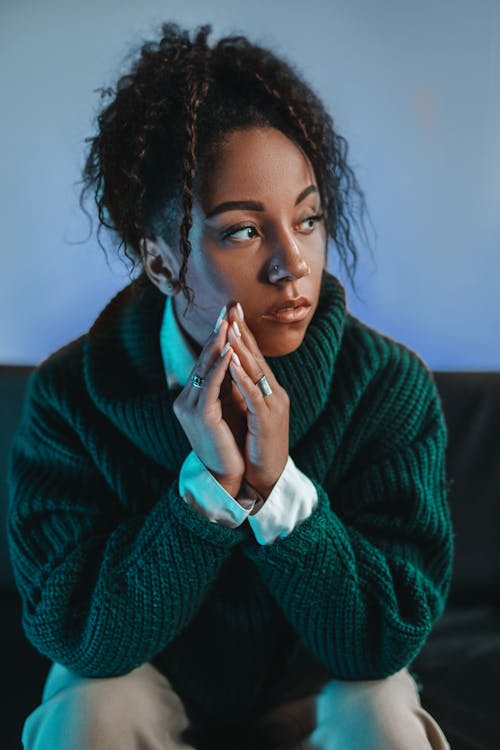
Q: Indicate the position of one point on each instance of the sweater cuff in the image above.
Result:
(301, 538)
(213, 533)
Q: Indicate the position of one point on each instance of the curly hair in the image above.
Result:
(168, 116)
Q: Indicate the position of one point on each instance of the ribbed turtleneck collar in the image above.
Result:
(126, 379)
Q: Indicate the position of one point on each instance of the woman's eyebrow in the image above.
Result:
(254, 205)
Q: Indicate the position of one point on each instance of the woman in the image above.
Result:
(228, 518)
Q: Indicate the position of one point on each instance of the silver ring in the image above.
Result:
(197, 382)
(263, 386)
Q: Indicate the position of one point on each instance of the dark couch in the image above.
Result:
(459, 667)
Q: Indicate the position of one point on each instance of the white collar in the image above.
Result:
(177, 353)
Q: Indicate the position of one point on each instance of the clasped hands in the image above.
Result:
(236, 431)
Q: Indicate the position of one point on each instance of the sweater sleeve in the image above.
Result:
(363, 579)
(104, 588)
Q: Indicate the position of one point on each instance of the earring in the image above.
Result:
(170, 285)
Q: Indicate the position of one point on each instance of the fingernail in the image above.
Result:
(236, 329)
(236, 359)
(226, 347)
(221, 317)
(239, 310)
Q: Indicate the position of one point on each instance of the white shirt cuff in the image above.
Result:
(292, 500)
(200, 489)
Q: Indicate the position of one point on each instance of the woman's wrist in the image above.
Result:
(232, 485)
(262, 492)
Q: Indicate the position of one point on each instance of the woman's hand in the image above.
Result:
(266, 443)
(200, 412)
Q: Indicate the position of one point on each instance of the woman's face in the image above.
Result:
(257, 208)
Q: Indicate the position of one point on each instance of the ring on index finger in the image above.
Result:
(197, 381)
(263, 386)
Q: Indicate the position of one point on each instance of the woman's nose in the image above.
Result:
(287, 262)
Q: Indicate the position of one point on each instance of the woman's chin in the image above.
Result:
(282, 346)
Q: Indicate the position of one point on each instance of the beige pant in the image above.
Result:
(141, 711)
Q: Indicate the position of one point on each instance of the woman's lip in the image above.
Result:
(289, 316)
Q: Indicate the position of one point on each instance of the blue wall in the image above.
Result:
(415, 88)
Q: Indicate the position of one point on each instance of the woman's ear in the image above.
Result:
(160, 265)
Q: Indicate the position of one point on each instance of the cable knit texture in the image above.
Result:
(114, 569)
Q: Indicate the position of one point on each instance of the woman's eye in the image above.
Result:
(310, 222)
(241, 233)
(249, 232)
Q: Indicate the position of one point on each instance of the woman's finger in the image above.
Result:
(210, 393)
(208, 355)
(254, 399)
(245, 345)
(254, 367)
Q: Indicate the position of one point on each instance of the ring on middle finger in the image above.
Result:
(263, 386)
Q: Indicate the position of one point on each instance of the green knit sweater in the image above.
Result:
(115, 569)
